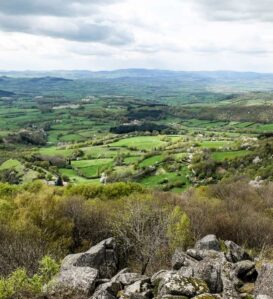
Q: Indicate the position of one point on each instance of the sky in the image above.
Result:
(116, 34)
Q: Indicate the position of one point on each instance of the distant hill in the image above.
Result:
(4, 93)
(49, 80)
(164, 86)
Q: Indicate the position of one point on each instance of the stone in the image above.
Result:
(208, 296)
(111, 287)
(129, 278)
(186, 271)
(143, 295)
(199, 255)
(264, 283)
(178, 285)
(245, 270)
(79, 280)
(209, 270)
(173, 297)
(180, 259)
(157, 277)
(102, 256)
(230, 282)
(209, 242)
(102, 294)
(235, 253)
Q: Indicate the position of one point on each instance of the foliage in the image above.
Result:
(18, 284)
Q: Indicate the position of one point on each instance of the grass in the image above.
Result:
(92, 168)
(140, 142)
(215, 144)
(151, 161)
(56, 151)
(131, 160)
(11, 164)
(221, 156)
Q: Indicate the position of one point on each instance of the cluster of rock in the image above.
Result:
(204, 272)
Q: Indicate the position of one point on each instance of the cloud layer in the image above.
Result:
(234, 10)
(107, 34)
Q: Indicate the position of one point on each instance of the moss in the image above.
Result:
(223, 246)
(247, 288)
(198, 284)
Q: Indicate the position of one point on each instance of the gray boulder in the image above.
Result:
(102, 294)
(126, 279)
(111, 287)
(209, 270)
(180, 259)
(102, 256)
(177, 285)
(209, 242)
(157, 277)
(246, 271)
(235, 253)
(199, 255)
(186, 271)
(80, 280)
(208, 296)
(264, 283)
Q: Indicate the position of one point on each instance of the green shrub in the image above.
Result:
(19, 284)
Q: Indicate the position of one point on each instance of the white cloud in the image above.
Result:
(108, 34)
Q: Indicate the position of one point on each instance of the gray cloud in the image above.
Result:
(72, 29)
(51, 7)
(81, 20)
(233, 10)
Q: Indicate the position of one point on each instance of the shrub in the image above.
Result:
(19, 285)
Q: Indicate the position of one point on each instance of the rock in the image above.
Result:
(230, 282)
(111, 287)
(180, 259)
(186, 271)
(209, 270)
(102, 294)
(208, 296)
(137, 287)
(264, 283)
(235, 253)
(79, 280)
(199, 255)
(157, 277)
(245, 270)
(178, 285)
(209, 242)
(102, 256)
(173, 297)
(247, 288)
(143, 295)
(263, 297)
(129, 278)
(196, 254)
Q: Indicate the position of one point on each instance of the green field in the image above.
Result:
(141, 142)
(220, 156)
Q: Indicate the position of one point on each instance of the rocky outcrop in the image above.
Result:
(204, 272)
(264, 283)
(209, 242)
(80, 272)
(102, 257)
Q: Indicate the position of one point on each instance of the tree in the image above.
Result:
(142, 227)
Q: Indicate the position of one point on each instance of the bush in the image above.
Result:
(19, 285)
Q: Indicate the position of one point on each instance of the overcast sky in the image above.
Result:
(112, 34)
